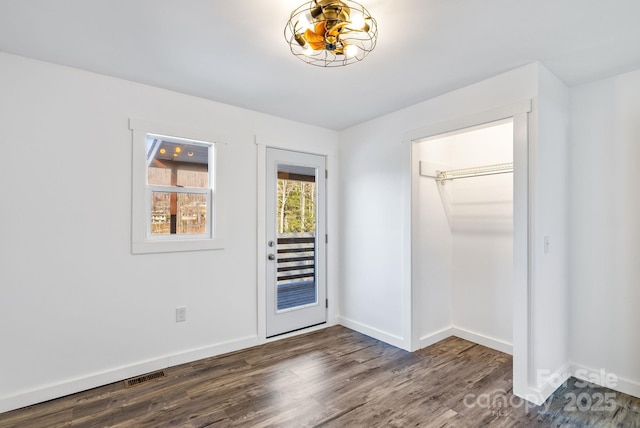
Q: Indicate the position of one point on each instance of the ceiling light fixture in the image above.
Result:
(331, 33)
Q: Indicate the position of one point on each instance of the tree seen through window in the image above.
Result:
(296, 206)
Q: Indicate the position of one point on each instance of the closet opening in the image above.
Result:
(471, 217)
(463, 235)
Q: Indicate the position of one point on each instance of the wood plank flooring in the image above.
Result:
(334, 378)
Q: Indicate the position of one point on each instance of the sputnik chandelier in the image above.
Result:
(331, 33)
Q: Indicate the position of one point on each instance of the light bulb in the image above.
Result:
(178, 149)
(163, 151)
(357, 20)
(350, 51)
(303, 23)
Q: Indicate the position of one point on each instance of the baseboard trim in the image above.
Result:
(436, 337)
(211, 351)
(391, 339)
(604, 378)
(49, 392)
(552, 381)
(481, 339)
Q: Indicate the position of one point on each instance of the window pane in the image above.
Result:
(178, 213)
(296, 205)
(296, 212)
(176, 162)
(192, 213)
(160, 213)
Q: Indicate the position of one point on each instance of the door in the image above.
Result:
(296, 241)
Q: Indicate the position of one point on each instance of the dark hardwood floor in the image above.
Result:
(334, 378)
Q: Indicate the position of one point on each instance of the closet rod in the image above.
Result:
(500, 168)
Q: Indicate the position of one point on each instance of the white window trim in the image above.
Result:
(141, 240)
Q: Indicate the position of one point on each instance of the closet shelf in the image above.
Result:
(453, 174)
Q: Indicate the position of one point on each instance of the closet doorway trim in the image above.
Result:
(523, 144)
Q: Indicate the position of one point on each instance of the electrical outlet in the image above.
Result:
(181, 314)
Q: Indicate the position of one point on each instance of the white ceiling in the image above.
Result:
(233, 51)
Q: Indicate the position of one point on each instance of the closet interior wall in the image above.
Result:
(464, 261)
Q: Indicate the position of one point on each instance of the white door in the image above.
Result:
(296, 241)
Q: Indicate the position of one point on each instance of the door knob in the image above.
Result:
(271, 256)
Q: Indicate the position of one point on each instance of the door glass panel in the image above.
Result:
(296, 237)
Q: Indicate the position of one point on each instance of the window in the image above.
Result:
(175, 195)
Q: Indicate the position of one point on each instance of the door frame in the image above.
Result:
(304, 316)
(525, 171)
(322, 148)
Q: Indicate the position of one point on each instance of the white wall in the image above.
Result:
(483, 238)
(463, 240)
(77, 309)
(376, 291)
(549, 194)
(375, 164)
(432, 255)
(605, 228)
